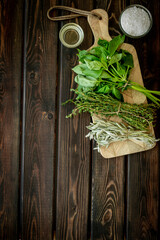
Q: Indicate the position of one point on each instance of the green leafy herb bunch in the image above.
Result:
(105, 69)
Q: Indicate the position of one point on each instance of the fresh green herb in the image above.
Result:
(105, 69)
(107, 132)
(115, 43)
(86, 81)
(102, 77)
(138, 116)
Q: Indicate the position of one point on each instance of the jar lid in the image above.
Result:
(71, 35)
(135, 21)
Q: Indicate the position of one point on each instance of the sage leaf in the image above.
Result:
(106, 132)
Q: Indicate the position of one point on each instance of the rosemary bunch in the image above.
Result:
(139, 116)
(107, 132)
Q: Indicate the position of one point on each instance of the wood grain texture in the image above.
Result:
(143, 172)
(108, 176)
(10, 83)
(39, 150)
(143, 192)
(108, 179)
(123, 202)
(73, 171)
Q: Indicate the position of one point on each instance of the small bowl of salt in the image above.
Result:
(135, 21)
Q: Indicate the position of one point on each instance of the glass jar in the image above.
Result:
(71, 35)
(135, 21)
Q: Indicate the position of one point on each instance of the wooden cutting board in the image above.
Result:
(100, 30)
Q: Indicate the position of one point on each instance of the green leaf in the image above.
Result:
(81, 53)
(88, 57)
(116, 93)
(92, 73)
(105, 89)
(105, 75)
(120, 85)
(122, 70)
(95, 51)
(95, 65)
(127, 60)
(84, 54)
(99, 51)
(115, 58)
(84, 70)
(118, 73)
(115, 43)
(85, 81)
(83, 89)
(78, 69)
(104, 61)
(115, 79)
(91, 57)
(103, 43)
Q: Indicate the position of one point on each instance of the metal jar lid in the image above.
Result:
(71, 35)
(149, 17)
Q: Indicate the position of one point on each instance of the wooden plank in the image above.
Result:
(73, 171)
(11, 19)
(39, 143)
(108, 175)
(142, 210)
(108, 181)
(143, 175)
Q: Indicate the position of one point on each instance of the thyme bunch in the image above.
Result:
(139, 116)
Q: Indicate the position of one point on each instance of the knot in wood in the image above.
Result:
(107, 216)
(50, 116)
(34, 78)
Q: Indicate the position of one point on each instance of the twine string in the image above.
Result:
(79, 13)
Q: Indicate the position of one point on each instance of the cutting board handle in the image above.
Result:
(99, 26)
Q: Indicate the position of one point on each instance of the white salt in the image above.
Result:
(135, 21)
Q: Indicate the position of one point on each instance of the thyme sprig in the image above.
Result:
(139, 116)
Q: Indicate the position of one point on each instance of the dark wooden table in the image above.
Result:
(52, 182)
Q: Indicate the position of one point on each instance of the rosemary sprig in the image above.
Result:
(107, 132)
(139, 116)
